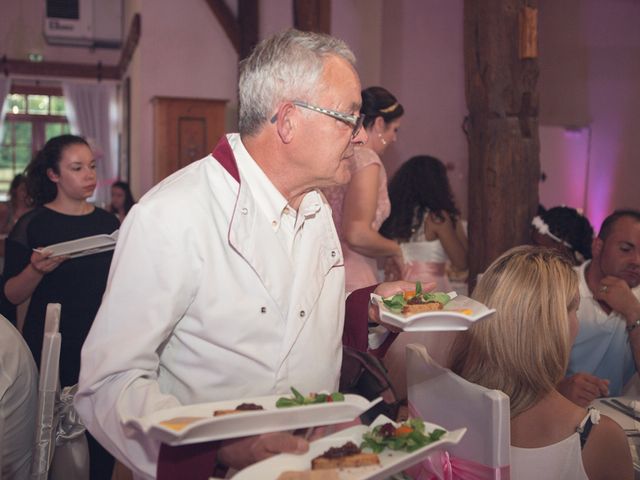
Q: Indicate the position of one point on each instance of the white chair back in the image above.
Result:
(47, 392)
(68, 458)
(440, 396)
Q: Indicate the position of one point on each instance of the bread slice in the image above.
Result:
(330, 474)
(243, 407)
(348, 461)
(422, 307)
(219, 413)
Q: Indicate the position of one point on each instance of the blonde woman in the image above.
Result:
(523, 350)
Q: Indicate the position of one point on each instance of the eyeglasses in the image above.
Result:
(354, 121)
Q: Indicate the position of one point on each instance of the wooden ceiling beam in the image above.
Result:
(248, 25)
(60, 69)
(228, 22)
(130, 44)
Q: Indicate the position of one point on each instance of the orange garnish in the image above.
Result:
(403, 430)
(409, 294)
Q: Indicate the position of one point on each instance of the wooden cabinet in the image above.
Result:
(184, 130)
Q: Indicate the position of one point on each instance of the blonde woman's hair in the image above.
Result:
(522, 349)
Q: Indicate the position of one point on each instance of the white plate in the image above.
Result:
(448, 319)
(82, 246)
(205, 427)
(391, 462)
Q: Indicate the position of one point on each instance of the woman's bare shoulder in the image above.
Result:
(606, 453)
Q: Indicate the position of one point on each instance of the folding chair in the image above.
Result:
(438, 395)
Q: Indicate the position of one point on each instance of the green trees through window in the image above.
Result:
(31, 120)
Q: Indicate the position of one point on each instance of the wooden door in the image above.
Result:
(184, 130)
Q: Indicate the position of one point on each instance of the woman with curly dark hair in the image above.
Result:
(566, 230)
(60, 179)
(425, 221)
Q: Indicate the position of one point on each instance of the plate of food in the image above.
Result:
(249, 416)
(362, 452)
(419, 311)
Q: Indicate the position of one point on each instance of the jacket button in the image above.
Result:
(244, 211)
(263, 310)
(302, 314)
(333, 253)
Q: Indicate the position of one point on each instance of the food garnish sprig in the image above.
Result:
(398, 301)
(313, 398)
(408, 437)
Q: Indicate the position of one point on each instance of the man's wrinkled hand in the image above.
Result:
(242, 452)
(583, 388)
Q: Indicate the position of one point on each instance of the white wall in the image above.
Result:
(183, 52)
(589, 76)
(21, 27)
(422, 64)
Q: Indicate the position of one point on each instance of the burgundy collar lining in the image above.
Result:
(224, 155)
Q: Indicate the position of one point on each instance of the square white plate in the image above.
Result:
(83, 246)
(448, 319)
(391, 461)
(205, 427)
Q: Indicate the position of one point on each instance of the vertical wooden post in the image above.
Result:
(501, 71)
(312, 15)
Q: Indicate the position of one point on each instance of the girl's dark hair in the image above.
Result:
(18, 180)
(569, 225)
(420, 185)
(379, 102)
(128, 196)
(41, 189)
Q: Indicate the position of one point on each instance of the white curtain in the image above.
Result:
(5, 85)
(91, 112)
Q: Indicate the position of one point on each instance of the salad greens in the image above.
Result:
(408, 437)
(299, 399)
(398, 301)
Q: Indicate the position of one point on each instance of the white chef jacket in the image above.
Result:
(204, 303)
(18, 404)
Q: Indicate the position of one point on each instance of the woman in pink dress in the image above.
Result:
(360, 207)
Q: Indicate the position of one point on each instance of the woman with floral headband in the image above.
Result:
(566, 230)
(360, 207)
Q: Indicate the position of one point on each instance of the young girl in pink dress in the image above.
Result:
(425, 221)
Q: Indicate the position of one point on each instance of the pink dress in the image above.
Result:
(424, 260)
(361, 271)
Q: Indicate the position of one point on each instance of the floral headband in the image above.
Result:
(543, 229)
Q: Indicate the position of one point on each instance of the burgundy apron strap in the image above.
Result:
(224, 155)
(196, 461)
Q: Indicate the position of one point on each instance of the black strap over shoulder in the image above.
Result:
(585, 431)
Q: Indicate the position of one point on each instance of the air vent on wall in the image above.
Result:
(88, 23)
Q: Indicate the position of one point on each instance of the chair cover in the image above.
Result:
(440, 396)
(47, 391)
(59, 431)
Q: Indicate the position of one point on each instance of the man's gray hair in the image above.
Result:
(285, 66)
